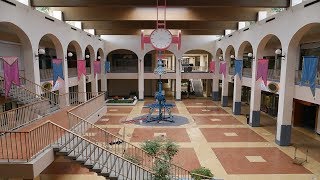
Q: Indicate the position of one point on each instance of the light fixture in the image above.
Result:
(70, 54)
(250, 55)
(41, 51)
(99, 57)
(279, 54)
(232, 56)
(220, 58)
(87, 56)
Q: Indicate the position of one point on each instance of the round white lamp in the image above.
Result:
(87, 56)
(250, 55)
(220, 58)
(70, 54)
(278, 51)
(232, 56)
(99, 57)
(41, 51)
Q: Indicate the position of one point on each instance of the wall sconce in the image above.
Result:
(87, 56)
(70, 54)
(232, 56)
(220, 58)
(41, 51)
(279, 54)
(99, 57)
(250, 55)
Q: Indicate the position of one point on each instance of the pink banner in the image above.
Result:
(223, 68)
(81, 68)
(213, 67)
(11, 73)
(262, 70)
(96, 67)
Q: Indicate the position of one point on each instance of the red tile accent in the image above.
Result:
(113, 120)
(234, 161)
(187, 158)
(211, 110)
(225, 120)
(176, 134)
(244, 135)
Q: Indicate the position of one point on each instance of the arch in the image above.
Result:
(268, 41)
(199, 59)
(150, 60)
(100, 53)
(123, 61)
(245, 48)
(45, 41)
(219, 53)
(229, 51)
(19, 36)
(75, 48)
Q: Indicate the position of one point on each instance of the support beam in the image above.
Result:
(138, 32)
(230, 3)
(147, 13)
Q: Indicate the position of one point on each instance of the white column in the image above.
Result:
(36, 73)
(225, 87)
(64, 100)
(103, 76)
(237, 91)
(255, 99)
(141, 79)
(286, 95)
(178, 78)
(215, 83)
(82, 88)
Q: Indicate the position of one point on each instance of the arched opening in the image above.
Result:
(89, 56)
(123, 61)
(49, 48)
(15, 42)
(73, 54)
(150, 64)
(168, 59)
(245, 53)
(306, 42)
(229, 58)
(196, 61)
(266, 50)
(219, 54)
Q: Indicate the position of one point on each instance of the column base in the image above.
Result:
(140, 99)
(255, 119)
(215, 96)
(285, 136)
(224, 102)
(178, 99)
(237, 108)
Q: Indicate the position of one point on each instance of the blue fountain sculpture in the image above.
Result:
(160, 100)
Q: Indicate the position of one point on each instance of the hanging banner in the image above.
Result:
(262, 70)
(107, 66)
(212, 67)
(223, 68)
(57, 70)
(96, 68)
(309, 72)
(238, 66)
(11, 73)
(81, 68)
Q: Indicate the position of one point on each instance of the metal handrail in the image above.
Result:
(12, 143)
(18, 117)
(117, 144)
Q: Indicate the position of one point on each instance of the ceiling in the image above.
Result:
(127, 17)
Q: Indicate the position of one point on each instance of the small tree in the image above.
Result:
(166, 150)
(201, 171)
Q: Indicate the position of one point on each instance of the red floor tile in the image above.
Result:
(111, 120)
(234, 161)
(175, 134)
(187, 159)
(243, 135)
(216, 120)
(119, 110)
(198, 102)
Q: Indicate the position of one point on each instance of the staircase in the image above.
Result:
(197, 87)
(34, 106)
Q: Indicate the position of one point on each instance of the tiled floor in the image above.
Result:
(216, 139)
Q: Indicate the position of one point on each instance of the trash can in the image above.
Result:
(248, 118)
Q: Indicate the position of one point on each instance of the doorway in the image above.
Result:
(305, 114)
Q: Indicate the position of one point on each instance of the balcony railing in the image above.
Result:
(124, 69)
(298, 76)
(47, 74)
(194, 69)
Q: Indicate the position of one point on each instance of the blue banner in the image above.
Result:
(309, 72)
(238, 65)
(107, 66)
(57, 70)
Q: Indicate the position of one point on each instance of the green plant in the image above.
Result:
(166, 150)
(201, 171)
